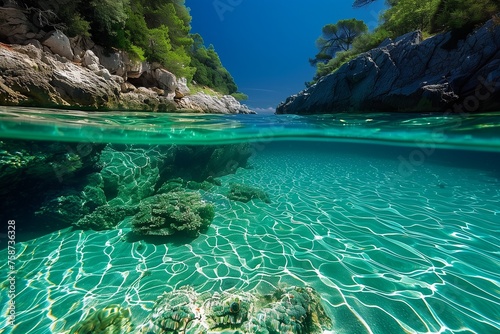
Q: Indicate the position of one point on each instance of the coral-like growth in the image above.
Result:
(174, 312)
(227, 310)
(244, 193)
(174, 212)
(298, 310)
(290, 310)
(112, 319)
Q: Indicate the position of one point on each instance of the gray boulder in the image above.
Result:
(165, 80)
(182, 86)
(113, 61)
(59, 44)
(89, 58)
(411, 74)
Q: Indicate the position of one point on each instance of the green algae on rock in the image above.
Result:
(243, 193)
(227, 310)
(174, 312)
(112, 319)
(174, 212)
(106, 217)
(293, 310)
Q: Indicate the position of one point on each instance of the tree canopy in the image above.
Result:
(337, 37)
(209, 69)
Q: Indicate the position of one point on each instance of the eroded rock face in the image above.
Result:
(15, 26)
(411, 74)
(53, 70)
(205, 103)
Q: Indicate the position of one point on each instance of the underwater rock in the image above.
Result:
(289, 310)
(211, 161)
(174, 312)
(227, 310)
(130, 172)
(243, 193)
(292, 310)
(174, 212)
(106, 217)
(35, 173)
(62, 208)
(112, 319)
(172, 185)
(410, 74)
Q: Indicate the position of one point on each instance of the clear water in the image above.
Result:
(393, 219)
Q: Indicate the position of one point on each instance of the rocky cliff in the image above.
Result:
(48, 69)
(446, 72)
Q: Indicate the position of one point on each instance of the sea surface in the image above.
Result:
(394, 219)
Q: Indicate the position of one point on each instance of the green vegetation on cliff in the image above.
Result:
(402, 16)
(152, 30)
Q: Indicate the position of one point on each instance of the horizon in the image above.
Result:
(269, 70)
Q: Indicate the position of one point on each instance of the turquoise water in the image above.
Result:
(393, 219)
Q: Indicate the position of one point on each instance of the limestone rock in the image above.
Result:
(113, 61)
(144, 99)
(43, 80)
(89, 58)
(80, 45)
(59, 44)
(32, 76)
(411, 74)
(204, 103)
(182, 86)
(135, 68)
(30, 50)
(165, 80)
(127, 87)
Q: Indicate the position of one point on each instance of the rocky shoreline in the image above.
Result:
(450, 72)
(48, 69)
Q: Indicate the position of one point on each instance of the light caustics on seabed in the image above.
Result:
(387, 253)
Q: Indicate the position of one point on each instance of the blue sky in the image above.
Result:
(266, 44)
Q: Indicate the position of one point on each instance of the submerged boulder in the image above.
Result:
(105, 217)
(176, 212)
(243, 193)
(112, 319)
(292, 310)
